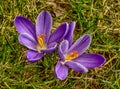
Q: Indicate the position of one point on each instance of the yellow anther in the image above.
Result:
(72, 55)
(40, 40)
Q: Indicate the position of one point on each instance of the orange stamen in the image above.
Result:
(72, 55)
(42, 36)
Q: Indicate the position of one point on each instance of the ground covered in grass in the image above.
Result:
(99, 18)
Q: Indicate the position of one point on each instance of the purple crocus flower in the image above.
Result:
(38, 38)
(71, 55)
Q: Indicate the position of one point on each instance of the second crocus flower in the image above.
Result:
(71, 55)
(38, 38)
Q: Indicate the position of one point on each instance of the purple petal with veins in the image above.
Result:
(81, 45)
(76, 66)
(24, 25)
(63, 48)
(44, 24)
(28, 41)
(33, 56)
(90, 60)
(59, 33)
(69, 35)
(61, 71)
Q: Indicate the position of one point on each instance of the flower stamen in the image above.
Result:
(72, 55)
(40, 40)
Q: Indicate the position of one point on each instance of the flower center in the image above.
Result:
(40, 40)
(72, 55)
(41, 44)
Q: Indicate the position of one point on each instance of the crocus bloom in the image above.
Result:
(38, 38)
(71, 55)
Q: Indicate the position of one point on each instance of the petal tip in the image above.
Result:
(88, 36)
(73, 23)
(17, 18)
(103, 60)
(44, 12)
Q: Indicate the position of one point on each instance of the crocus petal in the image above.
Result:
(24, 25)
(69, 35)
(91, 60)
(51, 48)
(63, 48)
(61, 71)
(28, 41)
(44, 24)
(81, 45)
(33, 56)
(77, 66)
(58, 34)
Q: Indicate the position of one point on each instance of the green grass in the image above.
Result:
(99, 18)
